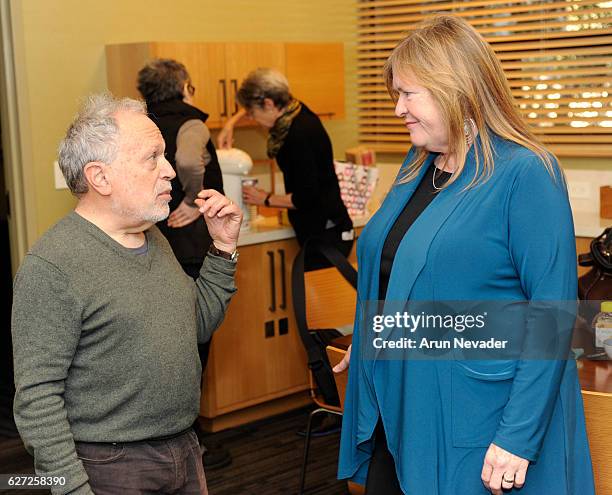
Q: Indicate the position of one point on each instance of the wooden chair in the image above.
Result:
(329, 302)
(335, 355)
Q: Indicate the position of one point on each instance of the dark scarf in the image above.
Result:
(279, 131)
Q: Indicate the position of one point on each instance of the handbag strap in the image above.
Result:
(337, 259)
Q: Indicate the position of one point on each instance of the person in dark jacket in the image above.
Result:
(168, 92)
(167, 89)
(302, 148)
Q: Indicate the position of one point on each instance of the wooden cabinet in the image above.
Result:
(242, 58)
(316, 76)
(315, 71)
(205, 62)
(257, 355)
(257, 365)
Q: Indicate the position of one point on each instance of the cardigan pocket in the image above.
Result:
(479, 394)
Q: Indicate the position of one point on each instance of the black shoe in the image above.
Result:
(216, 457)
(323, 425)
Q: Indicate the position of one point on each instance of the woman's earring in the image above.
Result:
(468, 130)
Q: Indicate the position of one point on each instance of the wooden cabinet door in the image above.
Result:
(250, 361)
(316, 76)
(205, 63)
(242, 58)
(235, 374)
(286, 369)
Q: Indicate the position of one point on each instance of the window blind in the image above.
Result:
(557, 56)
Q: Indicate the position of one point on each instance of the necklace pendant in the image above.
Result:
(433, 179)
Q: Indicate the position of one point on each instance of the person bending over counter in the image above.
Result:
(302, 148)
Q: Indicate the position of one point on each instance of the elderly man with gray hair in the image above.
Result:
(105, 322)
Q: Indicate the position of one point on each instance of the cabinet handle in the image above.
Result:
(222, 83)
(234, 83)
(283, 304)
(272, 281)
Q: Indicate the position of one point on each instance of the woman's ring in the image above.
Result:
(507, 481)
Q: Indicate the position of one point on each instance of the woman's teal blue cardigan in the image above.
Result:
(510, 238)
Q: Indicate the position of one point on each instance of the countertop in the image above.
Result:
(267, 229)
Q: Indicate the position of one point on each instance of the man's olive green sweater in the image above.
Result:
(105, 342)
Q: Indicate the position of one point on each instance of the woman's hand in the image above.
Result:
(183, 215)
(253, 195)
(503, 470)
(223, 218)
(344, 364)
(225, 139)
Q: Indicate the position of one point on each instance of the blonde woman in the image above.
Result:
(479, 211)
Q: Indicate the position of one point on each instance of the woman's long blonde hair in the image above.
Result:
(459, 68)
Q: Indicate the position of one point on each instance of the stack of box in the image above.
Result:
(361, 155)
(357, 178)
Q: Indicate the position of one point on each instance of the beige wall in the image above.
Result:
(62, 42)
(60, 58)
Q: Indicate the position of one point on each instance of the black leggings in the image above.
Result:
(382, 477)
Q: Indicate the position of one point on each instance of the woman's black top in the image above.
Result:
(307, 163)
(423, 195)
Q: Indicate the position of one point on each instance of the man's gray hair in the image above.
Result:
(93, 137)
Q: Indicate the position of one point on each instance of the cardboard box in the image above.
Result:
(361, 155)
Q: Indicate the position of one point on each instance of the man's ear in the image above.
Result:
(96, 174)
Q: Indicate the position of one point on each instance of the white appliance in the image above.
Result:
(235, 165)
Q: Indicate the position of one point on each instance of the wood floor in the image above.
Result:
(267, 456)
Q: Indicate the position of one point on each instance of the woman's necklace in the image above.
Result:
(433, 176)
(468, 127)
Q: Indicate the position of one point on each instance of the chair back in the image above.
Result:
(330, 299)
(335, 355)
